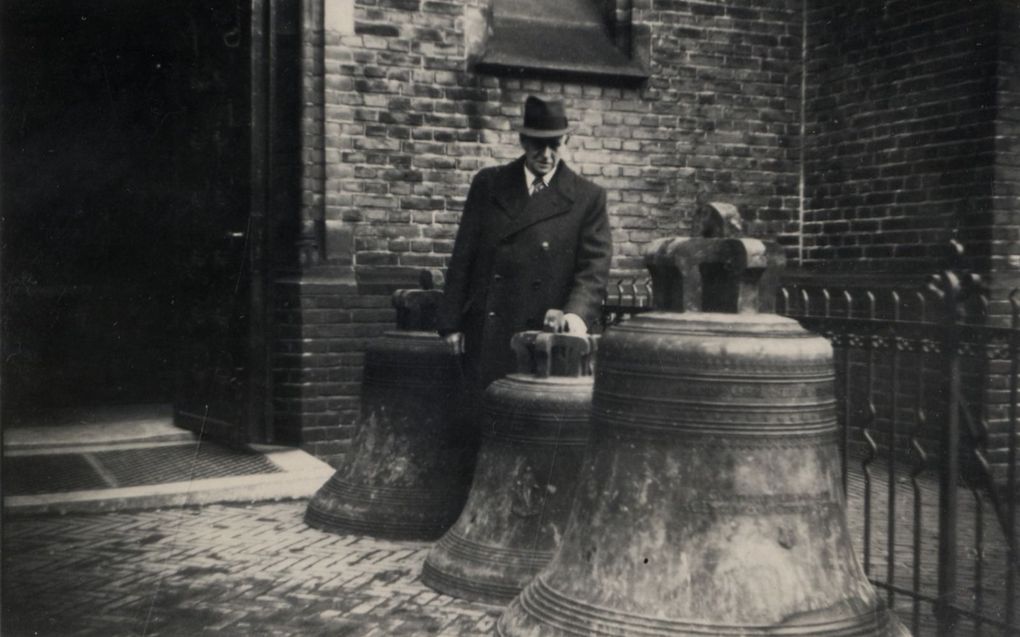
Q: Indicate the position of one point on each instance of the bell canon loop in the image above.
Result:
(535, 429)
(710, 502)
(409, 468)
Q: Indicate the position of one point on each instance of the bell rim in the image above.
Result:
(716, 318)
(531, 379)
(540, 602)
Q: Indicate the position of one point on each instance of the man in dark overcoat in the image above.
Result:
(534, 236)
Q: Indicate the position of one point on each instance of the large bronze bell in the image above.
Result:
(535, 429)
(409, 469)
(710, 502)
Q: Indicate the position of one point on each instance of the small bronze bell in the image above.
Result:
(535, 429)
(409, 468)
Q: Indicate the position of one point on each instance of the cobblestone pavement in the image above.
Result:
(229, 570)
(911, 529)
(259, 570)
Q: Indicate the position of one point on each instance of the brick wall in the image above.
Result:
(1005, 252)
(1004, 268)
(899, 126)
(405, 125)
(896, 137)
(322, 328)
(910, 111)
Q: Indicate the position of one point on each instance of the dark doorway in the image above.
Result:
(126, 192)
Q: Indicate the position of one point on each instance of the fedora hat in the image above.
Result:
(544, 118)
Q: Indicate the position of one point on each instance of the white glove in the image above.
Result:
(574, 324)
(456, 339)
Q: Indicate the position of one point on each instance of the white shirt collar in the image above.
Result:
(529, 177)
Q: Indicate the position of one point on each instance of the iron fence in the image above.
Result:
(927, 394)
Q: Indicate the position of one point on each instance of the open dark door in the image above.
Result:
(220, 304)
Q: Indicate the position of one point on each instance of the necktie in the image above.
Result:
(537, 186)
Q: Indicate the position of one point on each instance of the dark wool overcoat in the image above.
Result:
(517, 255)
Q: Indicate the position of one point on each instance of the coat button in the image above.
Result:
(497, 277)
(545, 245)
(492, 314)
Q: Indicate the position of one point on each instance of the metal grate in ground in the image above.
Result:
(63, 473)
(35, 475)
(180, 463)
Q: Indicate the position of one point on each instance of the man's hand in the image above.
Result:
(455, 339)
(574, 324)
(558, 322)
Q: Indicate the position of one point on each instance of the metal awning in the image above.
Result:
(566, 36)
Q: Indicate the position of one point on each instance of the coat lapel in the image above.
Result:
(554, 200)
(509, 191)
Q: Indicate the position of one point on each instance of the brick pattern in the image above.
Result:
(899, 126)
(259, 570)
(407, 126)
(232, 570)
(907, 144)
(1005, 251)
(313, 120)
(322, 330)
(395, 126)
(907, 112)
(1004, 228)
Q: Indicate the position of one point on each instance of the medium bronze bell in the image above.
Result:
(409, 468)
(710, 502)
(535, 429)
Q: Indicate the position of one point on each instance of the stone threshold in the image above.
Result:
(136, 436)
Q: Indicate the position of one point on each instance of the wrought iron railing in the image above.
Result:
(927, 388)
